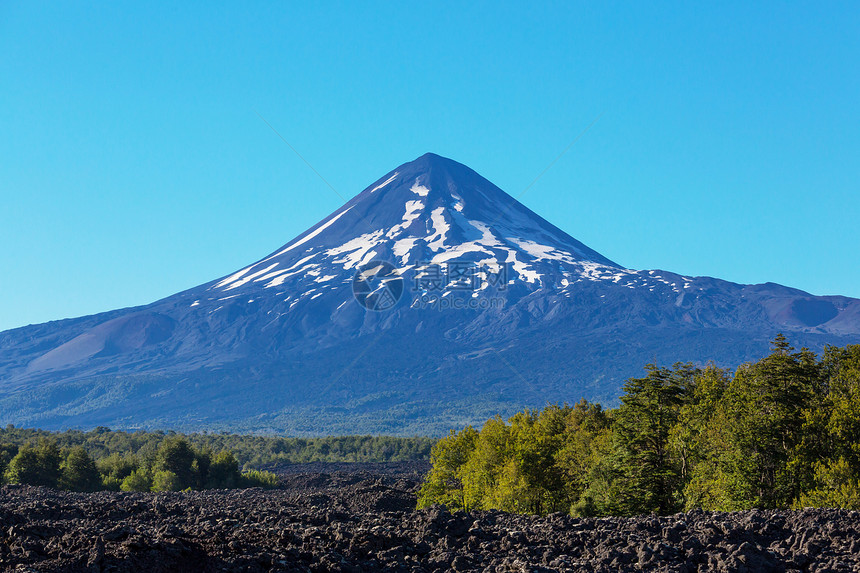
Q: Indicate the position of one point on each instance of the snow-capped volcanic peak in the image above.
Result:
(429, 211)
(298, 342)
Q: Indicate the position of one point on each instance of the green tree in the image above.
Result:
(7, 452)
(200, 469)
(480, 473)
(537, 462)
(138, 480)
(838, 486)
(699, 441)
(166, 480)
(587, 427)
(650, 408)
(36, 465)
(531, 480)
(831, 434)
(842, 404)
(444, 481)
(516, 480)
(603, 492)
(115, 468)
(543, 437)
(764, 411)
(175, 455)
(224, 471)
(79, 472)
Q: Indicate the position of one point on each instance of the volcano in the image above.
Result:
(430, 300)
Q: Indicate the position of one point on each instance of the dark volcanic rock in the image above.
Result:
(360, 522)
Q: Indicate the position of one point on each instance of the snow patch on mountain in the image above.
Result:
(354, 252)
(413, 211)
(458, 251)
(386, 182)
(440, 229)
(310, 236)
(419, 189)
(453, 223)
(539, 251)
(521, 268)
(235, 276)
(249, 278)
(402, 248)
(487, 239)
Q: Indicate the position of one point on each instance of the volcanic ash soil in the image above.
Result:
(333, 519)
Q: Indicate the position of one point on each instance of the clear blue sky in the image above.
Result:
(133, 165)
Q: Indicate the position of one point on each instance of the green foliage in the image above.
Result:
(601, 475)
(257, 478)
(697, 439)
(224, 472)
(166, 480)
(444, 481)
(7, 452)
(831, 440)
(129, 461)
(538, 462)
(79, 472)
(137, 480)
(650, 408)
(176, 457)
(250, 451)
(38, 465)
(115, 468)
(839, 412)
(763, 409)
(838, 486)
(780, 432)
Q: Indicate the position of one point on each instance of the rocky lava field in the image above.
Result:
(361, 518)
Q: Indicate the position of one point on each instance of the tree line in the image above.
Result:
(168, 461)
(171, 465)
(252, 452)
(778, 433)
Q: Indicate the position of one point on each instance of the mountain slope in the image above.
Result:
(495, 308)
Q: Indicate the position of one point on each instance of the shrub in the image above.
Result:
(165, 480)
(138, 480)
(257, 478)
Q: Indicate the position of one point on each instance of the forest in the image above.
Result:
(103, 459)
(783, 432)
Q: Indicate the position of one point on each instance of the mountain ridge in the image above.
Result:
(283, 345)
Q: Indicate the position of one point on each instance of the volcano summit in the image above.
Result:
(496, 309)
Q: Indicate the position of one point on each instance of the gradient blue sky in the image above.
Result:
(133, 165)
